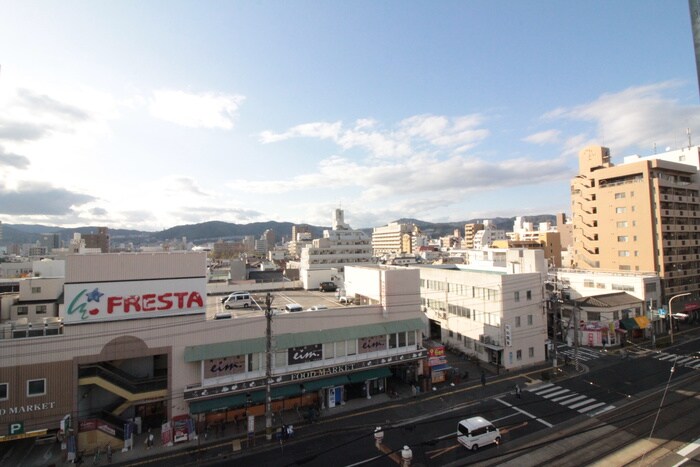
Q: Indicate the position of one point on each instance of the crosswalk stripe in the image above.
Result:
(695, 365)
(548, 385)
(558, 393)
(684, 360)
(578, 398)
(547, 391)
(580, 404)
(591, 407)
(564, 398)
(667, 357)
(610, 407)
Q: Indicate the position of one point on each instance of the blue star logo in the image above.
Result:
(94, 296)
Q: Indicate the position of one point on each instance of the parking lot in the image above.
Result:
(305, 298)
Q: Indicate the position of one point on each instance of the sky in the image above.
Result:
(152, 114)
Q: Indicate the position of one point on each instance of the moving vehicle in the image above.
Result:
(327, 287)
(477, 431)
(237, 300)
(292, 307)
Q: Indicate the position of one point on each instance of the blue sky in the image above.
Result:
(147, 115)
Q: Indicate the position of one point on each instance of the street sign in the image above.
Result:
(16, 428)
(662, 313)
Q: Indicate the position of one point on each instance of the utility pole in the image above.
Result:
(268, 367)
(577, 328)
(555, 309)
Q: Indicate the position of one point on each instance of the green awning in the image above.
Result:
(629, 324)
(198, 353)
(289, 390)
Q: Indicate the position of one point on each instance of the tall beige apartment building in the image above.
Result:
(389, 238)
(470, 231)
(639, 216)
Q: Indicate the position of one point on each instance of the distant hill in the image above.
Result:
(213, 231)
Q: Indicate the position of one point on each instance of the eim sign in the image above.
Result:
(308, 353)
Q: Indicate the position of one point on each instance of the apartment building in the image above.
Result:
(639, 216)
(325, 258)
(470, 231)
(490, 308)
(389, 238)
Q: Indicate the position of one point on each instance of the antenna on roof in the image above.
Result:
(687, 130)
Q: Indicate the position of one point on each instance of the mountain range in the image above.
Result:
(213, 231)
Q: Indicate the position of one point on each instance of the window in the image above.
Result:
(588, 283)
(36, 387)
(519, 355)
(616, 315)
(411, 338)
(4, 391)
(280, 359)
(22, 310)
(517, 321)
(622, 238)
(402, 339)
(620, 210)
(40, 309)
(593, 315)
(531, 352)
(253, 362)
(621, 224)
(619, 195)
(352, 345)
(529, 294)
(650, 287)
(516, 296)
(36, 289)
(529, 320)
(329, 350)
(393, 341)
(623, 253)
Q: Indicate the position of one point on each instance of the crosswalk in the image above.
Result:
(682, 360)
(571, 399)
(584, 354)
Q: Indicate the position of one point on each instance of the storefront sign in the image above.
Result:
(108, 301)
(224, 366)
(16, 428)
(371, 344)
(438, 351)
(20, 409)
(308, 353)
(259, 383)
(322, 372)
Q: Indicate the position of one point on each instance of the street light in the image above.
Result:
(670, 311)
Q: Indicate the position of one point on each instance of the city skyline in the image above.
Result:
(148, 116)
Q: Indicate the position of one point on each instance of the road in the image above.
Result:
(606, 412)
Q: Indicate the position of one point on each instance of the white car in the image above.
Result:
(317, 307)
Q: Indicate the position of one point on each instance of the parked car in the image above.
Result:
(237, 300)
(292, 307)
(345, 300)
(317, 307)
(328, 287)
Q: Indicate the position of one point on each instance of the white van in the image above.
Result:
(237, 300)
(477, 431)
(292, 307)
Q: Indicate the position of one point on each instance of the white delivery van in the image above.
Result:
(237, 300)
(292, 307)
(476, 432)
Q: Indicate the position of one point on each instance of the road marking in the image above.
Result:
(547, 424)
(579, 404)
(564, 399)
(547, 391)
(577, 398)
(667, 357)
(606, 409)
(683, 360)
(591, 407)
(558, 393)
(689, 448)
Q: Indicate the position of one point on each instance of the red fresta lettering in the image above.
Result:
(132, 301)
(180, 299)
(112, 303)
(166, 300)
(149, 302)
(195, 299)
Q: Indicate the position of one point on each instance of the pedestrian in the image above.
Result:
(483, 378)
(109, 452)
(149, 439)
(517, 391)
(414, 390)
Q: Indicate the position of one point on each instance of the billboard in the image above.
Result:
(110, 301)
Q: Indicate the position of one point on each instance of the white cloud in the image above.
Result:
(196, 110)
(636, 118)
(543, 137)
